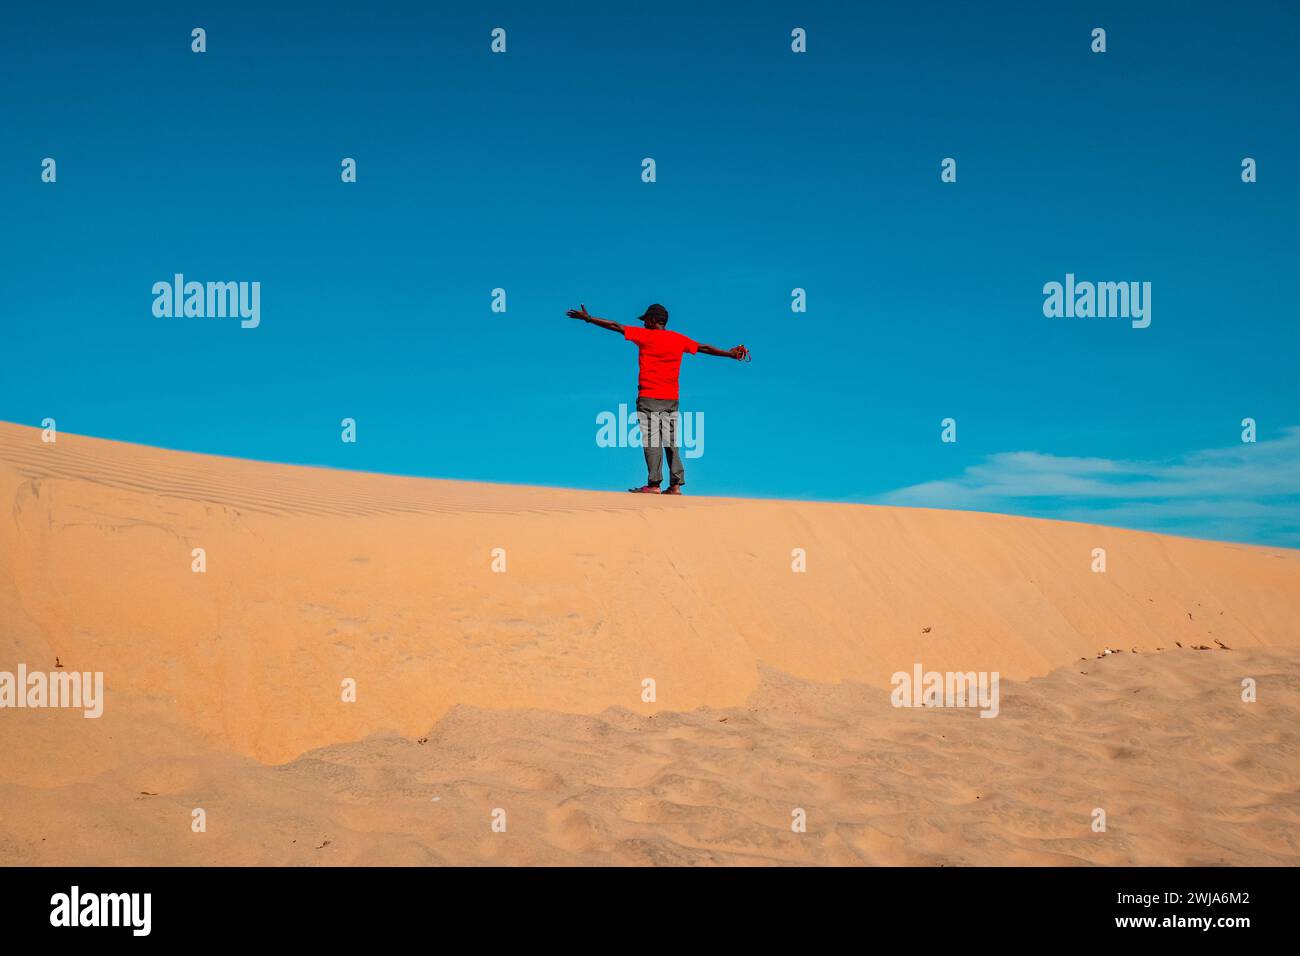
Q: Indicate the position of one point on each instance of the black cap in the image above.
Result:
(656, 312)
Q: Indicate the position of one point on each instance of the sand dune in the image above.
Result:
(223, 688)
(1160, 742)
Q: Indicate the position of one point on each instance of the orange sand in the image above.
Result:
(527, 684)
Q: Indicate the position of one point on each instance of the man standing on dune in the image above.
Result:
(661, 354)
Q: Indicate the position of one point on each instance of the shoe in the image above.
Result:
(646, 490)
(674, 490)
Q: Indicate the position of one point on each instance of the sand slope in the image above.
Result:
(314, 576)
(1185, 772)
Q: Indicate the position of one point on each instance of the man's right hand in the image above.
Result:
(582, 313)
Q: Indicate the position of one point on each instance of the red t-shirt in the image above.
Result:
(661, 359)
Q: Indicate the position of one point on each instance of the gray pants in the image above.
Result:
(661, 435)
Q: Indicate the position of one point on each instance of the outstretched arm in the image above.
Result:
(739, 352)
(582, 313)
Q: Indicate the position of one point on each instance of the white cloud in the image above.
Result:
(1247, 492)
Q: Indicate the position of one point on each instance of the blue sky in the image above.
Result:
(774, 171)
